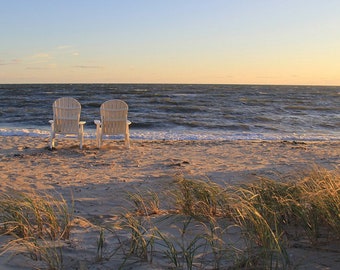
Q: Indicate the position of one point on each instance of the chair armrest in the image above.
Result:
(51, 121)
(97, 122)
(128, 122)
(82, 123)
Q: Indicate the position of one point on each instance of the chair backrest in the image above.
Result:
(114, 117)
(66, 115)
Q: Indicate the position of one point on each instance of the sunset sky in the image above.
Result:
(170, 41)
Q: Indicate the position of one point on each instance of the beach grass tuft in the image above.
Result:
(145, 203)
(200, 199)
(36, 222)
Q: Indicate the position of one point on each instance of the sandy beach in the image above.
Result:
(98, 180)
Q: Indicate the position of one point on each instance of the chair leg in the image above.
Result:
(52, 135)
(81, 136)
(99, 137)
(81, 139)
(100, 141)
(127, 140)
(52, 140)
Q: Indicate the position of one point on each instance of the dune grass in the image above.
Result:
(268, 213)
(34, 215)
(200, 199)
(37, 222)
(204, 219)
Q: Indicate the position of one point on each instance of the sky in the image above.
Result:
(170, 41)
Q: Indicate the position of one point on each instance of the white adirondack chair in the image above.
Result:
(113, 114)
(66, 116)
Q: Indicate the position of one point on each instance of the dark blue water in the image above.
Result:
(166, 111)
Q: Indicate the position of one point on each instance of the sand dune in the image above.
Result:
(98, 180)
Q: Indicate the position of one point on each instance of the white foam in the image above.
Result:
(182, 135)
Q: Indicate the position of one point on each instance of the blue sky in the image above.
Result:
(170, 41)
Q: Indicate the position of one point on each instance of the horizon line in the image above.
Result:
(172, 83)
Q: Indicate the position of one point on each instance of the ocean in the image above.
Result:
(183, 111)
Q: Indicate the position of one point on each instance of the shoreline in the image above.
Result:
(43, 132)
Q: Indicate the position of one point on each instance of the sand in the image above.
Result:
(98, 180)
